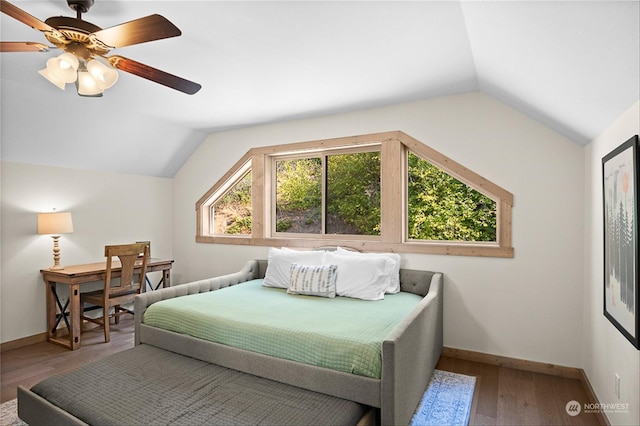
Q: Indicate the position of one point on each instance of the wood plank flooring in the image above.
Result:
(31, 364)
(504, 396)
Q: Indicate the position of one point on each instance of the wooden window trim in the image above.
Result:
(393, 238)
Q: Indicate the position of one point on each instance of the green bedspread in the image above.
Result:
(343, 334)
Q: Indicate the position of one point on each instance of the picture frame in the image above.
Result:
(620, 222)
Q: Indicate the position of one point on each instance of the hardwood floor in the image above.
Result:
(504, 396)
(31, 364)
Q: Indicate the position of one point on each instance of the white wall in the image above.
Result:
(528, 307)
(606, 351)
(107, 208)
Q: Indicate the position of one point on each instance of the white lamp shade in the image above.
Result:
(46, 74)
(87, 85)
(55, 223)
(105, 76)
(63, 67)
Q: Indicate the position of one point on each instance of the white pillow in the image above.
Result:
(313, 280)
(394, 278)
(278, 272)
(361, 277)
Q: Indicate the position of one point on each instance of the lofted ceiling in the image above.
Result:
(572, 65)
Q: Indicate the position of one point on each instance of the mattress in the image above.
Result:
(341, 333)
(146, 385)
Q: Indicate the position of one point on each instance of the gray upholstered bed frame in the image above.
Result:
(409, 354)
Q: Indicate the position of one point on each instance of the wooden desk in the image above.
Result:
(74, 276)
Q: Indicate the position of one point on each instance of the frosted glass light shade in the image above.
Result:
(55, 223)
(105, 76)
(63, 67)
(87, 85)
(46, 74)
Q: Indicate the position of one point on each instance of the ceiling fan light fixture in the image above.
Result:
(86, 84)
(84, 43)
(63, 67)
(105, 76)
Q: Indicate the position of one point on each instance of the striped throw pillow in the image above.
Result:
(313, 280)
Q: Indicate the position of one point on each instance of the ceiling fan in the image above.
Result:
(83, 43)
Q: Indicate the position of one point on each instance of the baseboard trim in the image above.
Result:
(602, 418)
(519, 364)
(24, 341)
(533, 366)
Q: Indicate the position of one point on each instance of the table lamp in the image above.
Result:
(55, 224)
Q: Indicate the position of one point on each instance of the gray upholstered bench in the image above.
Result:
(146, 385)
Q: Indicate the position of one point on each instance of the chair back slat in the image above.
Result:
(131, 257)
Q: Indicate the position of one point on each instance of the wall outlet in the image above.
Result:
(617, 386)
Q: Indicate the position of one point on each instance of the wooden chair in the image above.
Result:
(133, 260)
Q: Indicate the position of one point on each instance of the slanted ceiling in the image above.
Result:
(572, 65)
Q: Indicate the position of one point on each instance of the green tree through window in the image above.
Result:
(232, 212)
(299, 195)
(440, 207)
(351, 193)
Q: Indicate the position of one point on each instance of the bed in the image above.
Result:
(146, 385)
(406, 355)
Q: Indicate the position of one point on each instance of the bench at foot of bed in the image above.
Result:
(148, 385)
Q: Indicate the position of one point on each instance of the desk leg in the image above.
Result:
(72, 340)
(50, 289)
(166, 278)
(76, 316)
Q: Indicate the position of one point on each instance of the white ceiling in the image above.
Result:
(572, 65)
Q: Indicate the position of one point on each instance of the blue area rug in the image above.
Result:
(447, 400)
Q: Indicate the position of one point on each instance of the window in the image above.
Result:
(299, 195)
(440, 207)
(328, 193)
(379, 192)
(232, 212)
(353, 193)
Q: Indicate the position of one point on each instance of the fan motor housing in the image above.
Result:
(77, 36)
(81, 6)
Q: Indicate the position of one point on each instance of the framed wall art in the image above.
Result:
(620, 201)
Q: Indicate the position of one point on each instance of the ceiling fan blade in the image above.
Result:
(149, 28)
(153, 74)
(22, 46)
(24, 17)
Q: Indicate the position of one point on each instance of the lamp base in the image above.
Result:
(56, 254)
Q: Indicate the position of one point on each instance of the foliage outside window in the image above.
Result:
(232, 212)
(378, 192)
(348, 203)
(299, 195)
(353, 193)
(440, 207)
